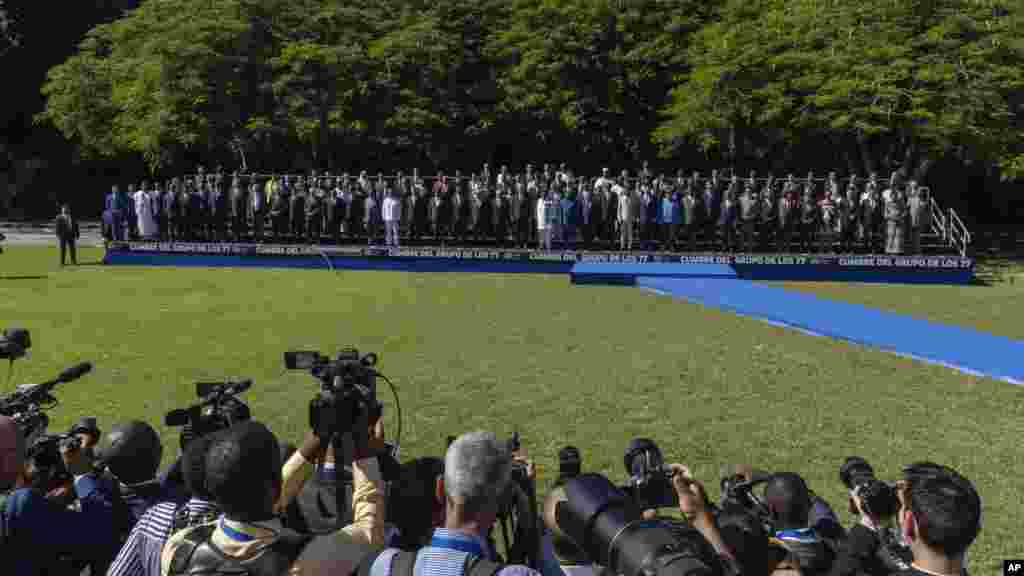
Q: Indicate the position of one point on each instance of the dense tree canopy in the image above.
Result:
(892, 84)
(320, 83)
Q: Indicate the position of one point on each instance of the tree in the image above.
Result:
(892, 84)
(600, 70)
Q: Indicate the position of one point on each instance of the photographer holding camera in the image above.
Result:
(870, 547)
(131, 454)
(246, 479)
(30, 522)
(477, 472)
(939, 518)
(314, 510)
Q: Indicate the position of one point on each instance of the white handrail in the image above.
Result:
(959, 235)
(939, 219)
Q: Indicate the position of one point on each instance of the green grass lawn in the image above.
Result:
(588, 366)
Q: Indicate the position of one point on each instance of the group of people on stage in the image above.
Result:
(548, 208)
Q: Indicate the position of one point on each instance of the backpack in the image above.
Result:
(403, 563)
(198, 556)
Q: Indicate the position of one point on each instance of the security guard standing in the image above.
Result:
(67, 234)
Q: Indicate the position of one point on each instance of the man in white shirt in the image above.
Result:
(603, 181)
(543, 225)
(392, 213)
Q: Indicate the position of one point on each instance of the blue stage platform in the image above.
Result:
(963, 349)
(583, 267)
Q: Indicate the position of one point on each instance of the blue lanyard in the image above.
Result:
(235, 534)
(468, 546)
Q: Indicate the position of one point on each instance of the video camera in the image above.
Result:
(220, 409)
(738, 491)
(606, 523)
(650, 481)
(27, 406)
(348, 385)
(14, 342)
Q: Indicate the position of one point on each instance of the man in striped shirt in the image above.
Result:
(140, 555)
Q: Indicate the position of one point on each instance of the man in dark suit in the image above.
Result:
(239, 209)
(297, 211)
(67, 234)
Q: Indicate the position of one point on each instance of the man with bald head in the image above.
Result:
(87, 536)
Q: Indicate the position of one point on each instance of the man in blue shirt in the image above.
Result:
(118, 207)
(476, 470)
(41, 530)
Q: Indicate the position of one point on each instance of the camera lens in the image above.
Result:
(855, 471)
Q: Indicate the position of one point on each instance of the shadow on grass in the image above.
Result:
(43, 277)
(993, 271)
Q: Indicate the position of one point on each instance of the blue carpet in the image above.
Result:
(963, 349)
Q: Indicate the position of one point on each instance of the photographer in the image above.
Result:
(414, 510)
(939, 517)
(140, 555)
(694, 506)
(83, 536)
(791, 505)
(561, 555)
(477, 470)
(313, 509)
(869, 546)
(246, 479)
(131, 453)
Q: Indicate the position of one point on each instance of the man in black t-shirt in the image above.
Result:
(939, 518)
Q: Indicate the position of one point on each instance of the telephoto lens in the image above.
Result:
(855, 471)
(607, 525)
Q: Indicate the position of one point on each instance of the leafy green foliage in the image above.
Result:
(888, 84)
(909, 81)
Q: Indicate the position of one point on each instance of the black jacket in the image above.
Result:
(66, 227)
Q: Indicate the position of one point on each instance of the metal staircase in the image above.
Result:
(948, 230)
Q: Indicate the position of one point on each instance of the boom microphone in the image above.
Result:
(75, 372)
